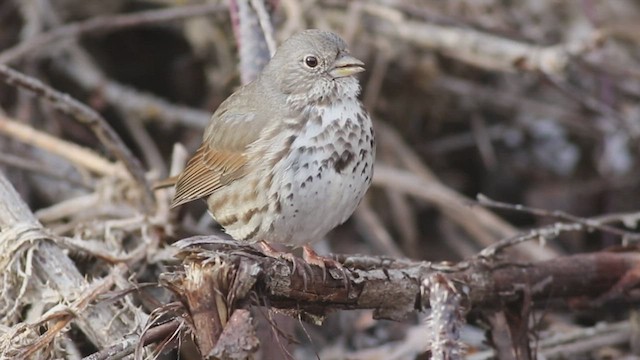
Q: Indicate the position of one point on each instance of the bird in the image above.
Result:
(289, 156)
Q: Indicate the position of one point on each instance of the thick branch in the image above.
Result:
(393, 287)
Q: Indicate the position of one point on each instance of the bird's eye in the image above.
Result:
(311, 61)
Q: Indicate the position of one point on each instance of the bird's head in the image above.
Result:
(314, 66)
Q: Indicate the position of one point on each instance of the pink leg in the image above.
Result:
(297, 262)
(311, 257)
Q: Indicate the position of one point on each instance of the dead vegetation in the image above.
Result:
(478, 105)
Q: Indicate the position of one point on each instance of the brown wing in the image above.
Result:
(235, 125)
(206, 172)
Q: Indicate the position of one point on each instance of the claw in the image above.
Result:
(297, 263)
(311, 257)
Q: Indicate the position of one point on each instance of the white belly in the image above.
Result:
(325, 176)
(326, 169)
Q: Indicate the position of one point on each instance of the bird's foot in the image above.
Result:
(298, 264)
(311, 257)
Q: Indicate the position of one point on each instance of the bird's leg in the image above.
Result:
(268, 250)
(311, 257)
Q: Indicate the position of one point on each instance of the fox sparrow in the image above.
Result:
(289, 156)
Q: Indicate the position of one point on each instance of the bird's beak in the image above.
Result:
(346, 65)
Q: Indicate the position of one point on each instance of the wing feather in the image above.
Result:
(221, 159)
(204, 172)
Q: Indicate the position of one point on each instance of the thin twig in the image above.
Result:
(586, 223)
(87, 116)
(574, 223)
(127, 345)
(38, 167)
(102, 23)
(135, 103)
(479, 48)
(588, 102)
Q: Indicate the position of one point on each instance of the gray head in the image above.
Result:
(316, 65)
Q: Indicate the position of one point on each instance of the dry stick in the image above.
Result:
(252, 45)
(135, 103)
(372, 228)
(149, 149)
(394, 288)
(573, 342)
(558, 214)
(19, 232)
(123, 97)
(128, 344)
(542, 234)
(586, 340)
(39, 167)
(265, 23)
(63, 316)
(596, 223)
(78, 155)
(478, 48)
(89, 117)
(391, 287)
(576, 223)
(484, 225)
(40, 42)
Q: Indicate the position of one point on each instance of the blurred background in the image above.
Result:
(530, 102)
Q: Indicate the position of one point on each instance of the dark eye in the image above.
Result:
(311, 61)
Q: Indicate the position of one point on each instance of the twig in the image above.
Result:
(578, 341)
(20, 232)
(87, 116)
(127, 345)
(475, 222)
(148, 148)
(478, 48)
(252, 45)
(588, 102)
(584, 223)
(265, 24)
(62, 316)
(76, 154)
(543, 234)
(135, 103)
(39, 167)
(372, 228)
(40, 42)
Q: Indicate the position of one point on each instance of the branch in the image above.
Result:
(87, 116)
(226, 277)
(102, 23)
(573, 223)
(78, 155)
(482, 49)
